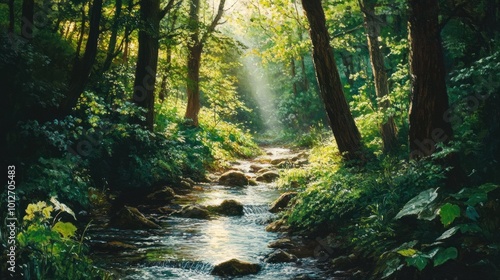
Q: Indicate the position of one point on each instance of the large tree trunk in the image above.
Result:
(429, 98)
(193, 83)
(27, 23)
(340, 119)
(82, 67)
(110, 55)
(147, 60)
(195, 49)
(372, 25)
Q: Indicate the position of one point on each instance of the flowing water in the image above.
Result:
(189, 248)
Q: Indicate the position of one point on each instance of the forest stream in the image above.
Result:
(189, 248)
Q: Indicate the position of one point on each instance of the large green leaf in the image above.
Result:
(443, 256)
(65, 229)
(449, 212)
(419, 203)
(419, 261)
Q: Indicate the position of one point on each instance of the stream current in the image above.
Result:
(186, 248)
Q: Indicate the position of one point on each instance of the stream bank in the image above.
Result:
(183, 247)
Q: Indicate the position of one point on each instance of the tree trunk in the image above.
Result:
(193, 83)
(147, 60)
(82, 67)
(163, 88)
(305, 80)
(195, 50)
(126, 47)
(27, 23)
(110, 55)
(293, 73)
(81, 34)
(339, 116)
(372, 25)
(429, 98)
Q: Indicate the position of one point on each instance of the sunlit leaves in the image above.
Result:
(66, 230)
(418, 203)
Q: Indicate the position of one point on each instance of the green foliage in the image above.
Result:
(49, 248)
(447, 245)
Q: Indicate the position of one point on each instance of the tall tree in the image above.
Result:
(339, 116)
(429, 98)
(195, 49)
(110, 54)
(147, 58)
(372, 26)
(83, 66)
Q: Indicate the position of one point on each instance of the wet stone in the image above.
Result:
(235, 267)
(193, 211)
(233, 178)
(280, 256)
(282, 202)
(131, 218)
(229, 207)
(268, 176)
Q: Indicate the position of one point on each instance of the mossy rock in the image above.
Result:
(282, 202)
(130, 218)
(233, 178)
(193, 211)
(280, 256)
(228, 207)
(235, 267)
(268, 177)
(163, 196)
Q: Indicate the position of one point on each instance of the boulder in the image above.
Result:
(233, 178)
(268, 177)
(278, 161)
(193, 211)
(282, 202)
(255, 168)
(280, 256)
(229, 207)
(131, 218)
(235, 267)
(276, 226)
(283, 243)
(252, 182)
(163, 196)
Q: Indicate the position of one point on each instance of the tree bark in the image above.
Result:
(195, 49)
(293, 73)
(147, 60)
(82, 67)
(193, 83)
(110, 54)
(81, 34)
(429, 98)
(372, 25)
(27, 23)
(339, 116)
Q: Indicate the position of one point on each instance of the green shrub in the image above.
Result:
(50, 248)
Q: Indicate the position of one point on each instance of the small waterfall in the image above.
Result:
(193, 266)
(255, 209)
